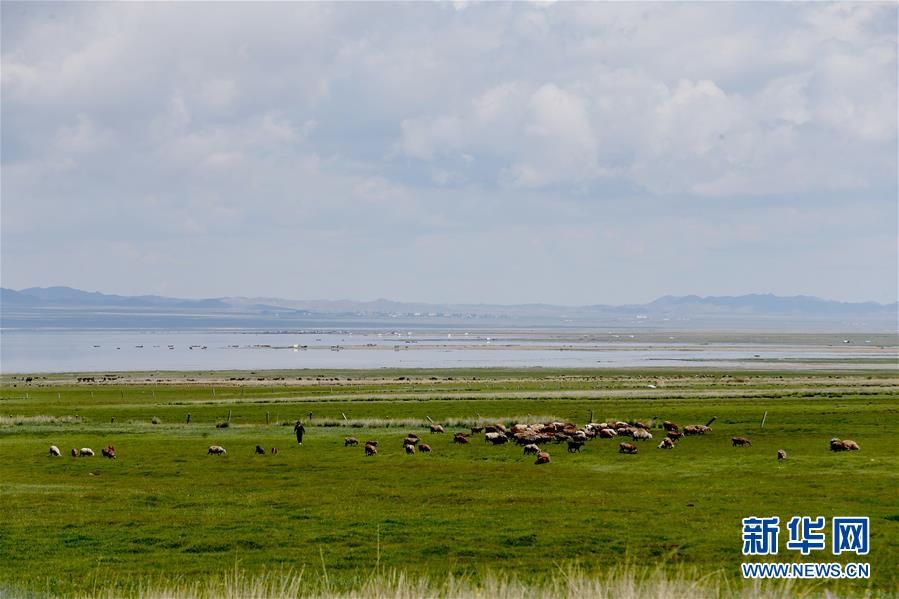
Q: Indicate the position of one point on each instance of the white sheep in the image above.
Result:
(54, 451)
(216, 450)
(641, 434)
(86, 452)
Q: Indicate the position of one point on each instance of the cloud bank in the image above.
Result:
(565, 152)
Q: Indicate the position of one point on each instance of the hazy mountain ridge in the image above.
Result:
(748, 305)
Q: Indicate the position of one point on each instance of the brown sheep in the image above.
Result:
(412, 436)
(542, 458)
(674, 435)
(781, 454)
(627, 448)
(370, 450)
(461, 439)
(666, 444)
(351, 442)
(696, 429)
(372, 443)
(847, 445)
(410, 441)
(410, 449)
(740, 441)
(436, 428)
(607, 433)
(274, 450)
(424, 448)
(670, 426)
(531, 449)
(74, 453)
(108, 452)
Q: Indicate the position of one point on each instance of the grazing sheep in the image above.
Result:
(74, 453)
(575, 446)
(580, 437)
(696, 429)
(86, 452)
(436, 428)
(413, 436)
(627, 448)
(670, 426)
(526, 438)
(424, 448)
(476, 429)
(674, 435)
(607, 433)
(461, 439)
(410, 441)
(495, 438)
(781, 454)
(532, 448)
(216, 450)
(410, 449)
(740, 441)
(274, 450)
(641, 434)
(108, 452)
(542, 458)
(260, 450)
(847, 445)
(350, 442)
(370, 450)
(372, 443)
(54, 451)
(666, 444)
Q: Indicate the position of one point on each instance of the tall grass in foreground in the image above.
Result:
(626, 582)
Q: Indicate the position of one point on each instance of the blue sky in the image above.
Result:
(570, 153)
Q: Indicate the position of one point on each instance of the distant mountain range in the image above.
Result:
(665, 307)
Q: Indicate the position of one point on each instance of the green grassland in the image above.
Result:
(164, 507)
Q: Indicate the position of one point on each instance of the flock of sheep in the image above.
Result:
(531, 437)
(84, 452)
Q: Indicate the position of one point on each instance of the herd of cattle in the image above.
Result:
(531, 437)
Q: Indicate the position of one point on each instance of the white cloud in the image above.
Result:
(474, 128)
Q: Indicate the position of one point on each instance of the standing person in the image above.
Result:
(299, 429)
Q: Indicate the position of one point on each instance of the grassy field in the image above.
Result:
(165, 508)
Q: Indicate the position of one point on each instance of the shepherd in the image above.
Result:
(299, 429)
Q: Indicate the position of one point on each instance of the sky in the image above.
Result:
(567, 153)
